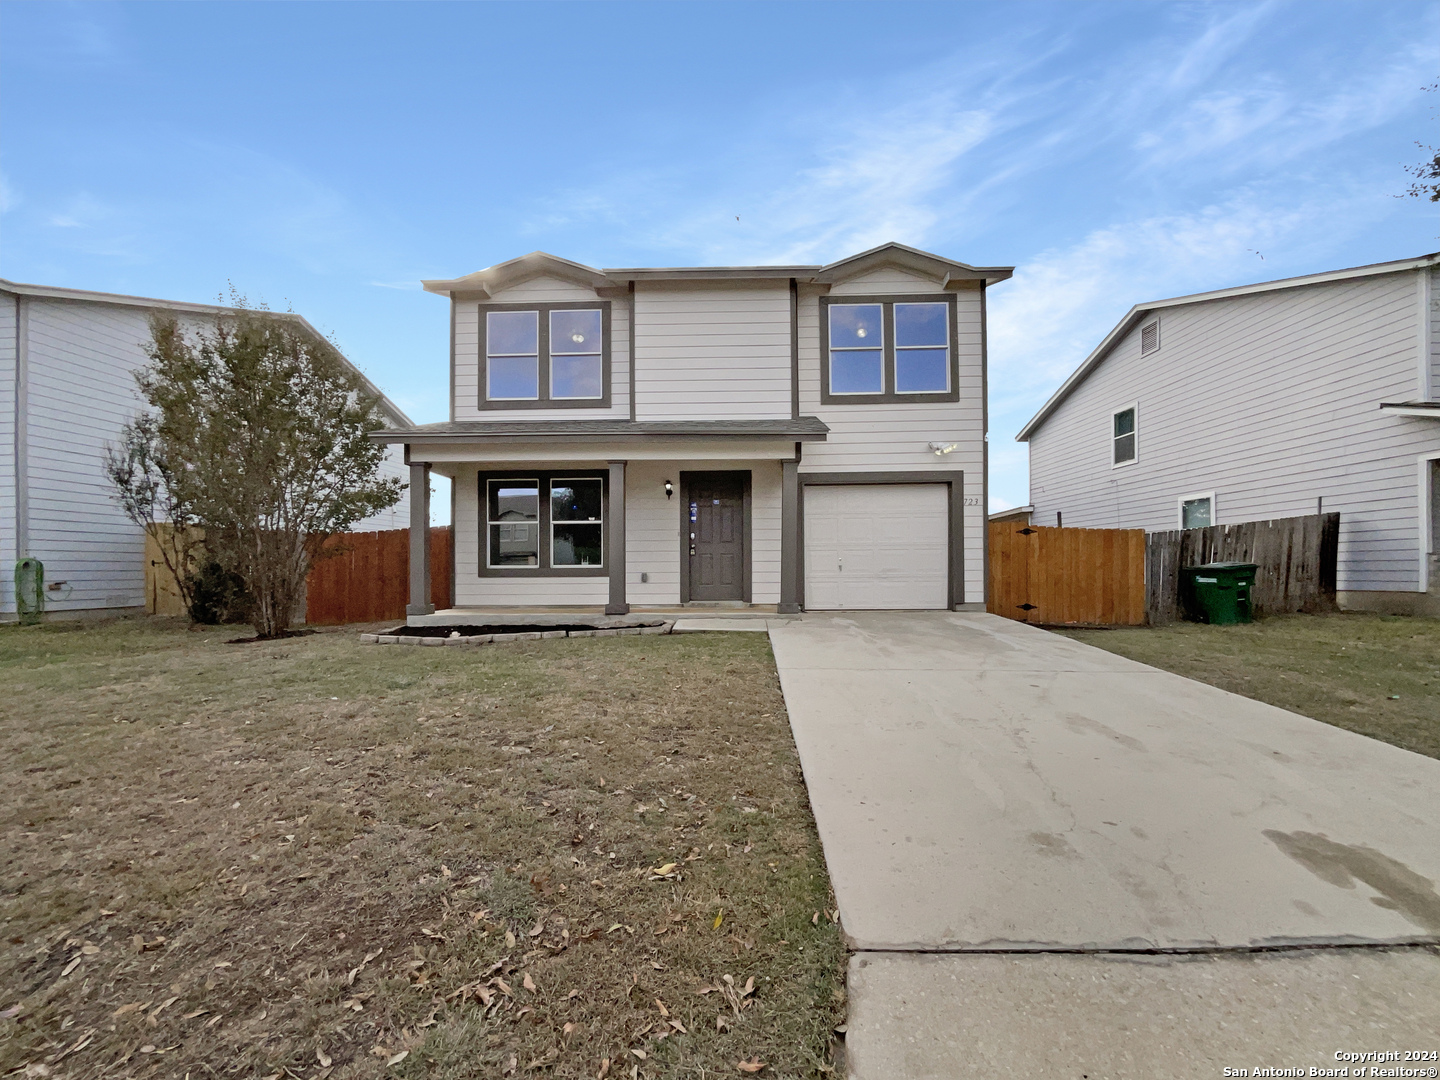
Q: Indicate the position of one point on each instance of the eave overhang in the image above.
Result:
(1430, 410)
(805, 429)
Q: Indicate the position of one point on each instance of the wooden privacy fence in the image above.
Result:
(1295, 562)
(1058, 576)
(369, 580)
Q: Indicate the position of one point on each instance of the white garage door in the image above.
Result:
(876, 546)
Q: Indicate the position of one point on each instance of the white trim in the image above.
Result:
(22, 431)
(1134, 406)
(1180, 507)
(1426, 539)
(1123, 326)
(1422, 300)
(1423, 409)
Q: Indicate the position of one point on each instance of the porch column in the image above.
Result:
(789, 538)
(419, 541)
(615, 526)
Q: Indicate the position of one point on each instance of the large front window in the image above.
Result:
(545, 522)
(888, 349)
(548, 356)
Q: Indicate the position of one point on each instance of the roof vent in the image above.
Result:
(1149, 337)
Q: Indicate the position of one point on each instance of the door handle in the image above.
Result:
(692, 549)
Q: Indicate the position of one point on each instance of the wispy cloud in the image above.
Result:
(403, 285)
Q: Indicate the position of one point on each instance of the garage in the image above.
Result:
(876, 546)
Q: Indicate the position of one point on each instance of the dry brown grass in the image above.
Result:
(203, 844)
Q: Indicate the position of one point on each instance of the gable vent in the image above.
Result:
(1149, 338)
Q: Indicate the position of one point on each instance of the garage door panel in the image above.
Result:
(876, 546)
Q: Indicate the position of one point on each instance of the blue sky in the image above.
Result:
(328, 156)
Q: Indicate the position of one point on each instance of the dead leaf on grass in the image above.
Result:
(604, 1069)
(754, 1065)
(661, 1006)
(323, 1058)
(719, 918)
(395, 1059)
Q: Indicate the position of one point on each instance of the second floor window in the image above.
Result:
(888, 350)
(547, 356)
(1123, 436)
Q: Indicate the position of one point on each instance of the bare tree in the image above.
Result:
(1427, 173)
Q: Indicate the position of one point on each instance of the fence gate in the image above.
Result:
(1054, 576)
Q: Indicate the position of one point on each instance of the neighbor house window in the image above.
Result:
(1123, 437)
(545, 524)
(888, 349)
(1197, 512)
(545, 356)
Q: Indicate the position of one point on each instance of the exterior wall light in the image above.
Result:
(669, 489)
(943, 448)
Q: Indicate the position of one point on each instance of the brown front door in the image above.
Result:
(715, 535)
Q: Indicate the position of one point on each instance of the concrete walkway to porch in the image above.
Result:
(1051, 860)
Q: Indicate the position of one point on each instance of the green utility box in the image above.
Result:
(1218, 592)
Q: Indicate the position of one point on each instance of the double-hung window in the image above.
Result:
(545, 356)
(550, 523)
(888, 349)
(1122, 437)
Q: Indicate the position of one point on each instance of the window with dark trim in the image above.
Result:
(545, 356)
(543, 524)
(889, 349)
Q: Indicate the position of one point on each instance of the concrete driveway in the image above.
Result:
(980, 785)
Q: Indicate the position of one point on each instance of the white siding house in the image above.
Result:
(775, 437)
(67, 364)
(1265, 401)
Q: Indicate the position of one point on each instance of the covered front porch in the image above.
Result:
(700, 517)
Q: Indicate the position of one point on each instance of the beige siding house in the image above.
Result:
(774, 437)
(67, 364)
(1265, 401)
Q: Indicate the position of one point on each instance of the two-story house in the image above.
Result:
(1315, 393)
(68, 359)
(781, 437)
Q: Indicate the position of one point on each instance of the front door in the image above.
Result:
(715, 535)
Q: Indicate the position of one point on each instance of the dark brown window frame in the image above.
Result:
(543, 478)
(889, 396)
(545, 401)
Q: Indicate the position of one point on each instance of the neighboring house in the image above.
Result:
(776, 436)
(1265, 401)
(1016, 515)
(67, 363)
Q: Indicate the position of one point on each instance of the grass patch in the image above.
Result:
(311, 857)
(1378, 675)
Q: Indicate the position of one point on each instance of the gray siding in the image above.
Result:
(1432, 390)
(82, 359)
(716, 351)
(1271, 402)
(7, 452)
(465, 391)
(869, 438)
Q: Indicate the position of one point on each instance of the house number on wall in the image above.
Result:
(972, 500)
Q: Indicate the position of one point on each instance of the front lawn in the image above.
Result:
(1375, 674)
(317, 858)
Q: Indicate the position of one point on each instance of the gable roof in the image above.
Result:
(485, 283)
(1136, 313)
(392, 411)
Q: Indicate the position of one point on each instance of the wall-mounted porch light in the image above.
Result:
(942, 448)
(669, 489)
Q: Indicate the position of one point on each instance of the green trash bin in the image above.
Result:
(1218, 592)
